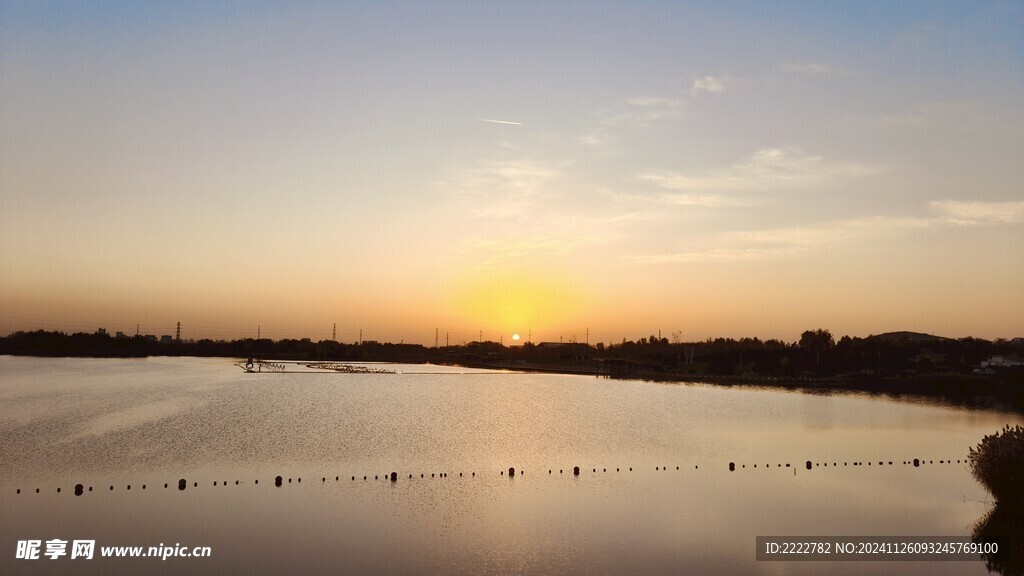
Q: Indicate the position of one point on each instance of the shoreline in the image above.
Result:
(949, 389)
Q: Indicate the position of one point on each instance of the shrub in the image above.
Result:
(998, 463)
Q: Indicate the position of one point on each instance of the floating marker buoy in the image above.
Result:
(19, 491)
(916, 462)
(576, 470)
(511, 471)
(787, 464)
(214, 482)
(257, 482)
(143, 486)
(278, 480)
(808, 464)
(732, 466)
(37, 489)
(195, 484)
(181, 484)
(90, 488)
(394, 476)
(78, 489)
(236, 483)
(375, 478)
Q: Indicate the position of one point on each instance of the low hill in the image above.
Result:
(907, 337)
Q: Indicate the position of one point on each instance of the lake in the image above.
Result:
(654, 493)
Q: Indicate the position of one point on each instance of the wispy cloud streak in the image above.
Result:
(493, 121)
(768, 169)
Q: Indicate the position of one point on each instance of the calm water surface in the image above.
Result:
(153, 421)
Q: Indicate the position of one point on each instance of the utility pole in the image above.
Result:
(136, 329)
(435, 337)
(501, 339)
(529, 336)
(360, 336)
(259, 330)
(334, 332)
(177, 333)
(480, 338)
(446, 340)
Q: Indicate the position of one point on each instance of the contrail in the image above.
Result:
(500, 121)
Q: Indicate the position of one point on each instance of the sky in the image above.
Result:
(569, 170)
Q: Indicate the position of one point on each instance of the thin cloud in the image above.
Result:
(976, 213)
(808, 69)
(708, 84)
(703, 200)
(787, 242)
(642, 111)
(501, 190)
(767, 169)
(655, 102)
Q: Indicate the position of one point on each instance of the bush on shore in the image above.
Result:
(998, 463)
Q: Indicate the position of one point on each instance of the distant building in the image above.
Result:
(150, 338)
(1003, 362)
(119, 335)
(992, 365)
(101, 331)
(167, 339)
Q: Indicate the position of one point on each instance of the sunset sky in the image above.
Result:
(716, 169)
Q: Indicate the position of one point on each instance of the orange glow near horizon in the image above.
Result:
(515, 301)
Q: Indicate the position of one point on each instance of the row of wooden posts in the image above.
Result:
(393, 476)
